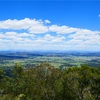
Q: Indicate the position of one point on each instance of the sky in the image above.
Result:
(50, 25)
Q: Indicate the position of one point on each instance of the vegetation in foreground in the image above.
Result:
(45, 82)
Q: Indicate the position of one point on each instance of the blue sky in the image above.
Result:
(50, 25)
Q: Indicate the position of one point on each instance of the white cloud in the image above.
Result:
(38, 29)
(47, 21)
(16, 38)
(62, 29)
(54, 39)
(93, 37)
(11, 33)
(27, 34)
(17, 24)
(99, 15)
(32, 25)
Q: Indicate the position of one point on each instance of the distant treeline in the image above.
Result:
(44, 82)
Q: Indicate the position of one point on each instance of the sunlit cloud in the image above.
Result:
(32, 34)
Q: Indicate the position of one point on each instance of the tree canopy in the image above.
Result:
(44, 82)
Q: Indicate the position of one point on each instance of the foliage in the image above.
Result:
(44, 82)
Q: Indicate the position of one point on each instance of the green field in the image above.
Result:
(8, 60)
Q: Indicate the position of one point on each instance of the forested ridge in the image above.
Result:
(44, 82)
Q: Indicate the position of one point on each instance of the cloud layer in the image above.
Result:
(32, 34)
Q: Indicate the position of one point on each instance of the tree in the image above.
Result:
(95, 83)
(77, 83)
(2, 73)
